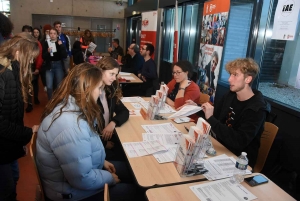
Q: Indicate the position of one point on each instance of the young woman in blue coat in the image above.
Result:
(70, 155)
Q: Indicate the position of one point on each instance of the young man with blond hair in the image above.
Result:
(237, 121)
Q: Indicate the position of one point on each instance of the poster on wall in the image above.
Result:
(213, 33)
(285, 20)
(149, 27)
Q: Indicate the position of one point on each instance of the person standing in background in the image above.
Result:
(118, 50)
(66, 42)
(16, 58)
(45, 37)
(37, 34)
(6, 27)
(54, 53)
(85, 40)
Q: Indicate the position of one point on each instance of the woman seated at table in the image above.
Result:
(111, 104)
(181, 88)
(70, 156)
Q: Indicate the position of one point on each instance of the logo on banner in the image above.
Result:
(145, 22)
(154, 13)
(287, 8)
(212, 7)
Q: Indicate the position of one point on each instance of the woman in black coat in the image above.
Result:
(16, 57)
(110, 101)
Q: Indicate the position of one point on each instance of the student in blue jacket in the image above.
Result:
(70, 155)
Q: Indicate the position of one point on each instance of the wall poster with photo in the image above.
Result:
(213, 33)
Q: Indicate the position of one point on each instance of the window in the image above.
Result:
(279, 78)
(237, 35)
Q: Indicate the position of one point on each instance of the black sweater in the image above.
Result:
(247, 127)
(13, 134)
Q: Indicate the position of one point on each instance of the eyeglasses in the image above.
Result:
(176, 73)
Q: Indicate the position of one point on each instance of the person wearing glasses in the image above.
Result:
(210, 70)
(181, 88)
(237, 120)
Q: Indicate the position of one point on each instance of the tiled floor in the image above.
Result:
(28, 180)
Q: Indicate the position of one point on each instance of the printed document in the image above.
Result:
(163, 138)
(136, 149)
(166, 156)
(127, 77)
(222, 190)
(186, 111)
(161, 128)
(123, 73)
(136, 106)
(134, 113)
(132, 99)
(220, 167)
(164, 110)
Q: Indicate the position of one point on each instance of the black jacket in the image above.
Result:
(60, 54)
(122, 113)
(13, 134)
(246, 130)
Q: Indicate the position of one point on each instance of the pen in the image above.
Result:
(186, 129)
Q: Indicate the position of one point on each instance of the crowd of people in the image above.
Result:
(77, 148)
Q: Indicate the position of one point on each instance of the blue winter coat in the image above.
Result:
(70, 156)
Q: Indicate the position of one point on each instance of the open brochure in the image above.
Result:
(92, 46)
(185, 111)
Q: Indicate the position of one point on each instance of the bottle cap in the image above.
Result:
(244, 153)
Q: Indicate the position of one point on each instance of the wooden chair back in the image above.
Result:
(106, 193)
(203, 98)
(40, 196)
(266, 141)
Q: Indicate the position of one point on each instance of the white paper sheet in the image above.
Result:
(163, 138)
(132, 99)
(136, 105)
(166, 156)
(123, 73)
(136, 149)
(127, 77)
(92, 46)
(161, 128)
(186, 111)
(222, 190)
(220, 167)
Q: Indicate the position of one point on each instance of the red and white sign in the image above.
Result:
(176, 42)
(149, 27)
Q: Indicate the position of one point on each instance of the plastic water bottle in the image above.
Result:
(240, 168)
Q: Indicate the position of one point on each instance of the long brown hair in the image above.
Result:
(79, 83)
(88, 39)
(28, 49)
(109, 63)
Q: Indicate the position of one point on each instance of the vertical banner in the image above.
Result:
(176, 42)
(214, 21)
(149, 27)
(285, 20)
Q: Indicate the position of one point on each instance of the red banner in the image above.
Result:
(149, 27)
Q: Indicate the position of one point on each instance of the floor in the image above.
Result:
(27, 183)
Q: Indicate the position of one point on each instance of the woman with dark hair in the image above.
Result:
(53, 54)
(110, 101)
(70, 156)
(16, 57)
(37, 34)
(85, 40)
(181, 88)
(6, 27)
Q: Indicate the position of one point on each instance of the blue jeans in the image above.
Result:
(9, 175)
(53, 77)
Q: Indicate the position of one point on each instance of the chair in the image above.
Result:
(40, 196)
(106, 193)
(266, 141)
(203, 98)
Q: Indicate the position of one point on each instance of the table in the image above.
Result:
(148, 172)
(135, 80)
(268, 191)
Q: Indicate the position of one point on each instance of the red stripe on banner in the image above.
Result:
(175, 50)
(216, 6)
(148, 37)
